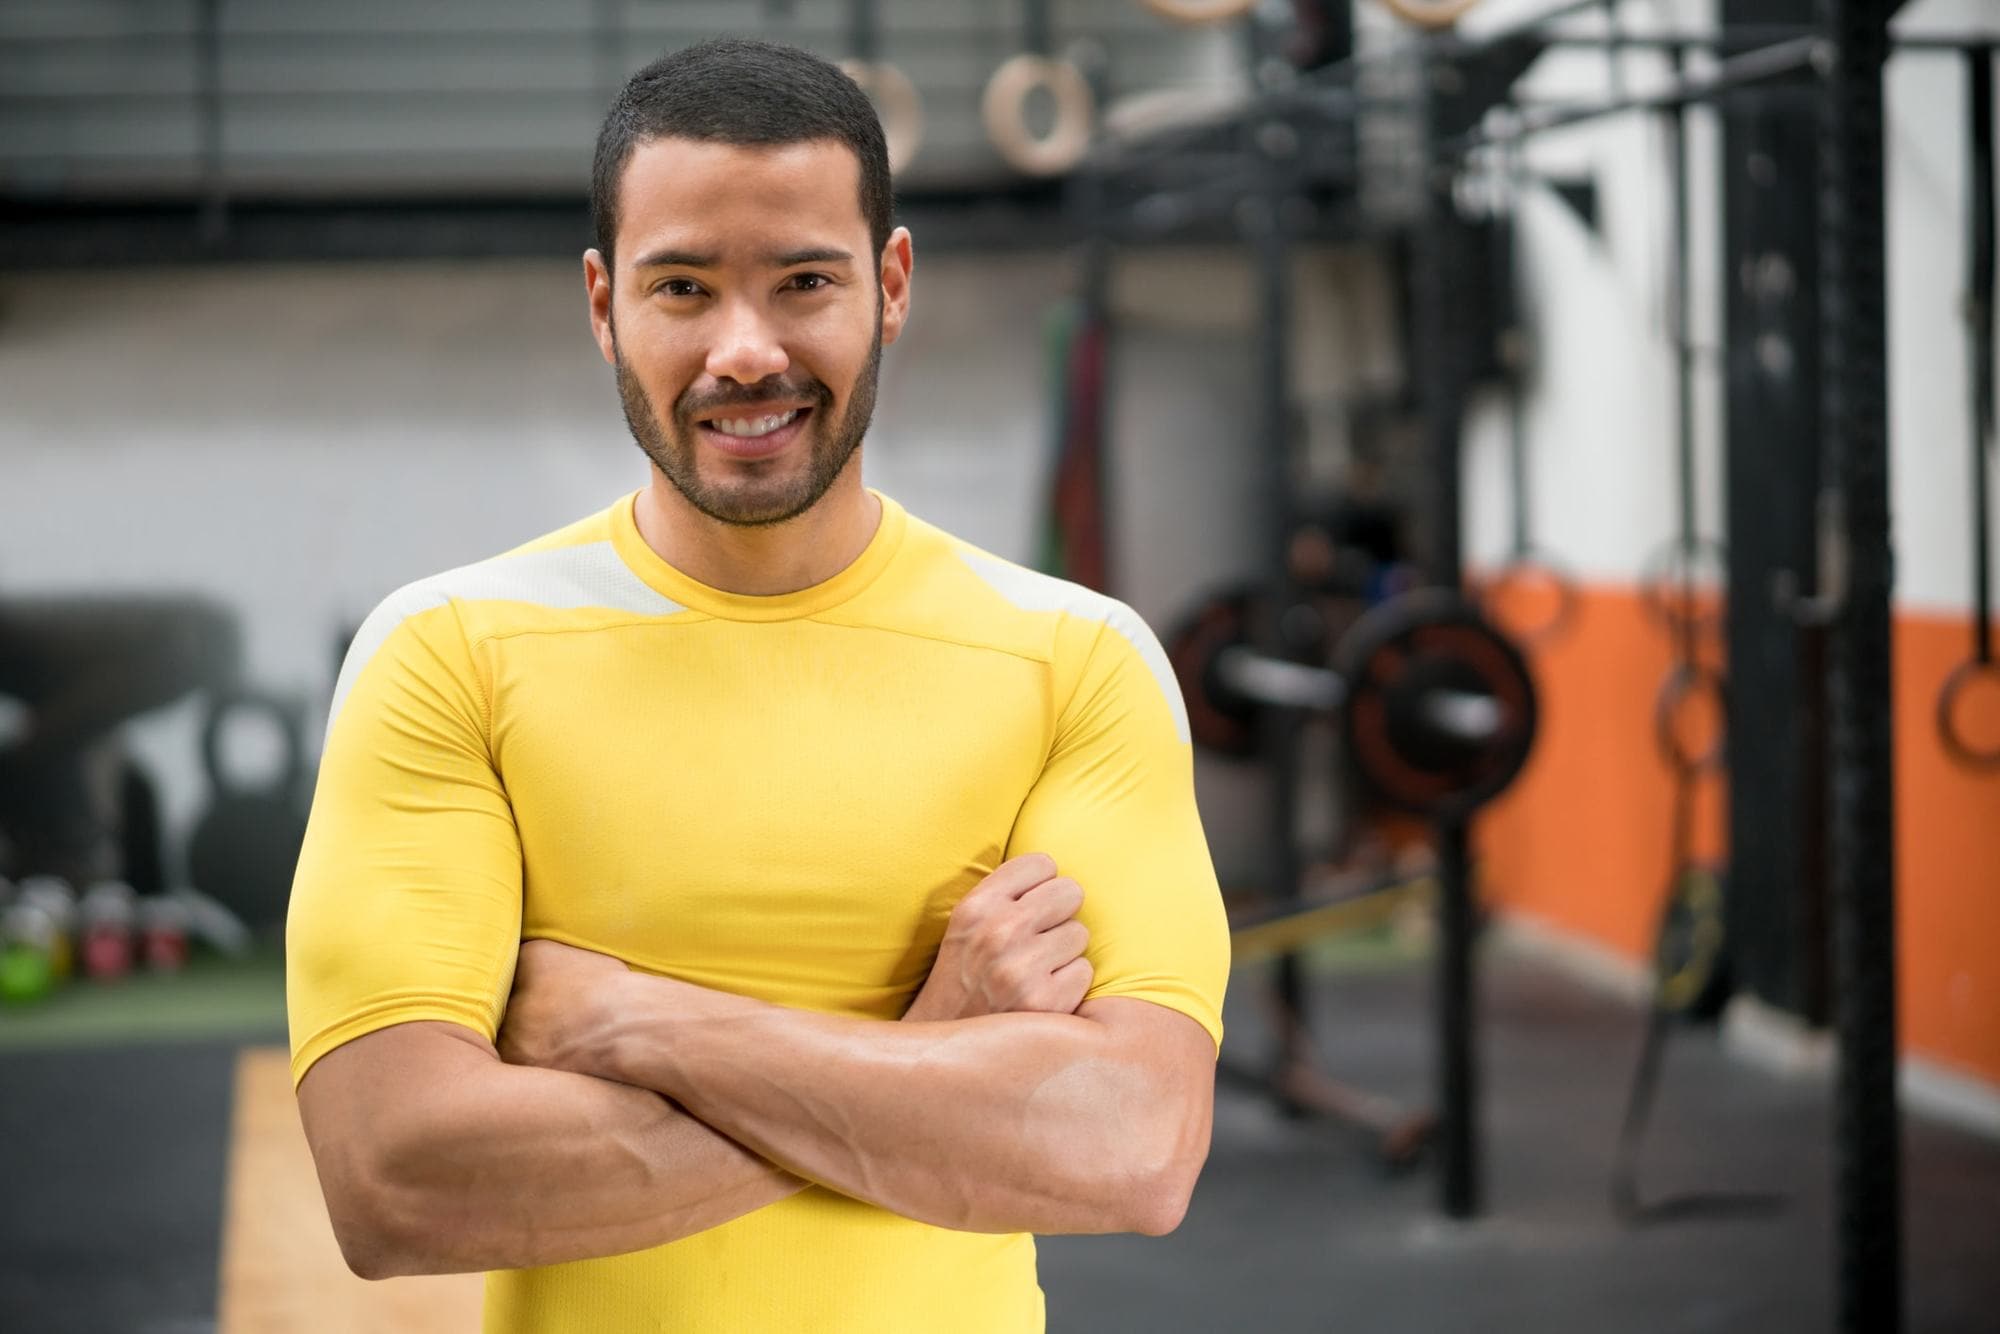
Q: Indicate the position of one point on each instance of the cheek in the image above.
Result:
(836, 354)
(664, 361)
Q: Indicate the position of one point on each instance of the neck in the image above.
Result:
(767, 560)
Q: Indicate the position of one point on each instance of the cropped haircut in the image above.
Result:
(735, 90)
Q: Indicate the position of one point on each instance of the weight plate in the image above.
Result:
(1405, 658)
(1217, 720)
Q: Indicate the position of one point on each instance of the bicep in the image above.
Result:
(1172, 1048)
(1174, 1057)
(361, 1085)
(363, 1098)
(1115, 807)
(407, 899)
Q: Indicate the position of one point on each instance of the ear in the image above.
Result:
(597, 283)
(895, 278)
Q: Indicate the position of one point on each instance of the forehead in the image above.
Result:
(724, 195)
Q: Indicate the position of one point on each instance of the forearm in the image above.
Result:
(1017, 1122)
(488, 1166)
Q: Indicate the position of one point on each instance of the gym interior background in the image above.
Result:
(1658, 329)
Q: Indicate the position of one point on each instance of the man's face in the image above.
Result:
(746, 319)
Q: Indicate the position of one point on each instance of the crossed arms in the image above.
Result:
(632, 1110)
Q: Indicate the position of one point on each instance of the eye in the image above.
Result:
(679, 287)
(810, 282)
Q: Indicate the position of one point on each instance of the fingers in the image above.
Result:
(1060, 944)
(1017, 875)
(1070, 984)
(1053, 961)
(1051, 902)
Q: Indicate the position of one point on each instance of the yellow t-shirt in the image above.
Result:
(780, 797)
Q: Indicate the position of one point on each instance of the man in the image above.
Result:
(700, 793)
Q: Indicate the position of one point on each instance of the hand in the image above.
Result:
(559, 1016)
(1013, 944)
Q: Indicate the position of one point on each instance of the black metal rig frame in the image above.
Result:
(1287, 161)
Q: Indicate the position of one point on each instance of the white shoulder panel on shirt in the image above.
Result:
(1031, 590)
(588, 575)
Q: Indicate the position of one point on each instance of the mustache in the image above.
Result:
(764, 391)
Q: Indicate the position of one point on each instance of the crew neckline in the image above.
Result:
(691, 593)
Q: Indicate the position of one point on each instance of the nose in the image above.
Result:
(746, 348)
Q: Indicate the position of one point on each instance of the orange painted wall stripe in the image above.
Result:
(1582, 840)
(1947, 858)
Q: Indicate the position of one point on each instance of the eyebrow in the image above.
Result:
(690, 259)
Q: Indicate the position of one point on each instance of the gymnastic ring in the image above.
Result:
(1194, 13)
(1674, 563)
(1431, 14)
(897, 102)
(1526, 567)
(1682, 680)
(1954, 740)
(1007, 95)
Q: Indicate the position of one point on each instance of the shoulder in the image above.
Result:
(558, 580)
(1080, 630)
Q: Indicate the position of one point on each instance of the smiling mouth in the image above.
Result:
(742, 427)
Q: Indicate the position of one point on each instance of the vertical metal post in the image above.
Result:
(1459, 1186)
(1868, 1151)
(1439, 270)
(1262, 217)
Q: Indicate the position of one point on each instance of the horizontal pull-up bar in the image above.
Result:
(1772, 62)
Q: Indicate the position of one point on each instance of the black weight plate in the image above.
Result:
(1397, 656)
(1217, 719)
(244, 852)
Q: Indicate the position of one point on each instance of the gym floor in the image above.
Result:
(115, 1157)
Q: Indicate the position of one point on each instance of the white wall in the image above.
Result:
(1928, 423)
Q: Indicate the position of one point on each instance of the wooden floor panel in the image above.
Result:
(281, 1268)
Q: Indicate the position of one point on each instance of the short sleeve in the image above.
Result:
(407, 900)
(1115, 807)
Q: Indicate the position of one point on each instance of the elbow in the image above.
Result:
(366, 1257)
(376, 1227)
(364, 1243)
(372, 1248)
(1161, 1183)
(1159, 1208)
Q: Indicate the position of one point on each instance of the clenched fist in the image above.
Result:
(1013, 944)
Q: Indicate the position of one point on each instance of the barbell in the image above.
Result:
(1436, 707)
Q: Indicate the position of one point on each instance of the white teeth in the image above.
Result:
(751, 427)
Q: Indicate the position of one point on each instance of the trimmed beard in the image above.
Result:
(756, 501)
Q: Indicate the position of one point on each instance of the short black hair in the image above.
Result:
(737, 90)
